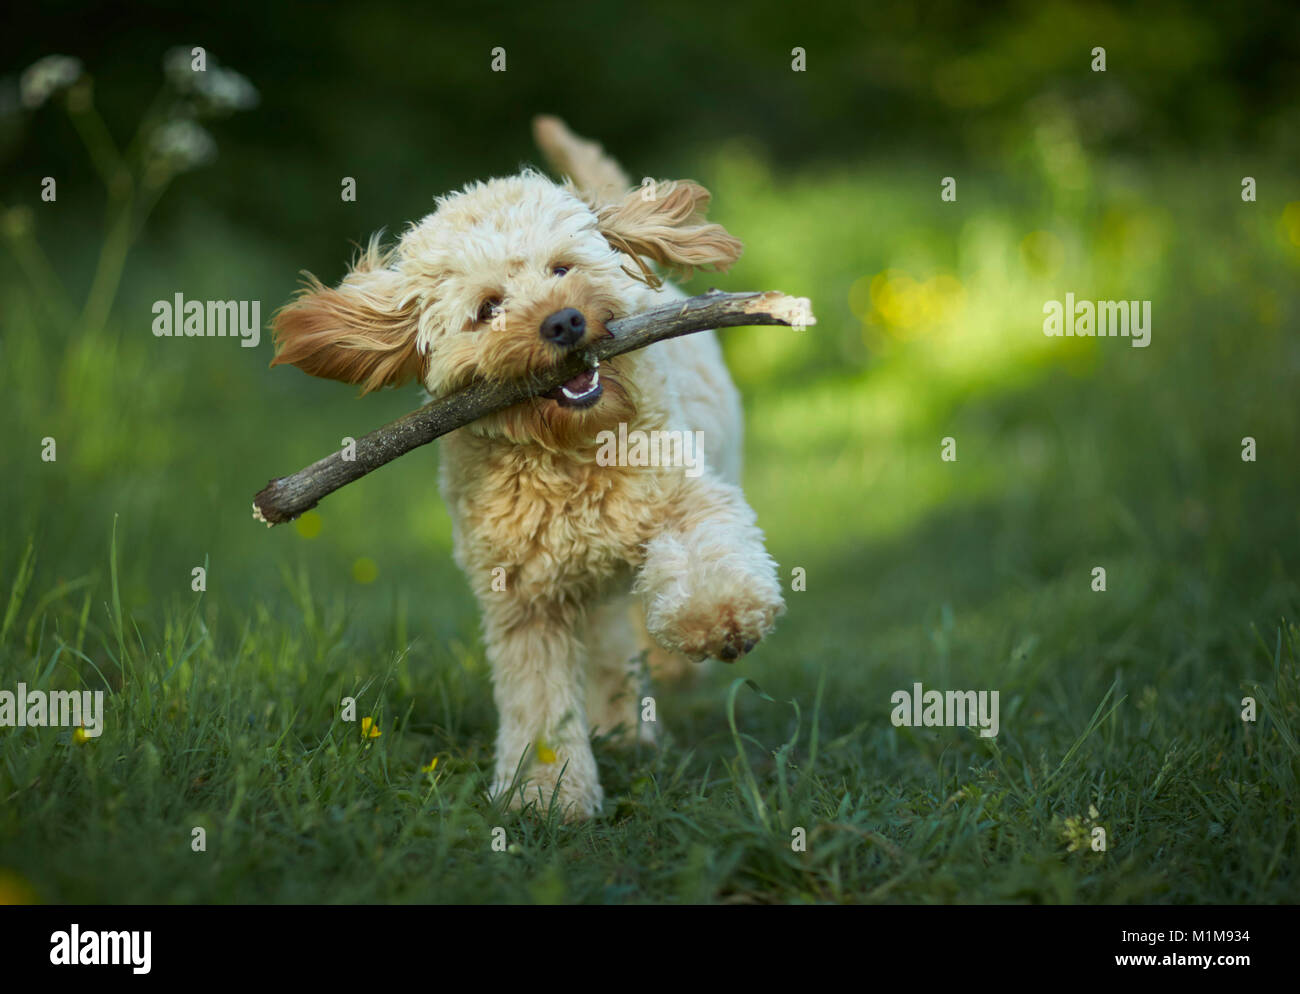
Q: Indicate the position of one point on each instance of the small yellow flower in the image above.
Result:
(364, 570)
(1074, 832)
(309, 525)
(80, 737)
(14, 889)
(546, 754)
(369, 730)
(433, 765)
(1077, 830)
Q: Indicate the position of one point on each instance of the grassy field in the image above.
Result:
(1119, 709)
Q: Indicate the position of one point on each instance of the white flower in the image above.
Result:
(45, 77)
(227, 90)
(217, 88)
(183, 145)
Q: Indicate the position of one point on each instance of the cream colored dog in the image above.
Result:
(574, 562)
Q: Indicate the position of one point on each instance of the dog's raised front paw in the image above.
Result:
(723, 618)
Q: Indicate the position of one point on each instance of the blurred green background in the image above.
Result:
(1072, 453)
(1123, 184)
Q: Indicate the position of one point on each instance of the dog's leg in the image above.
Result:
(537, 679)
(710, 587)
(615, 671)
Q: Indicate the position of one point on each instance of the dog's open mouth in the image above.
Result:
(581, 391)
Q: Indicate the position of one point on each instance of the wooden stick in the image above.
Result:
(287, 497)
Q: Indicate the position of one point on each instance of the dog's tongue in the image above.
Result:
(581, 383)
(576, 388)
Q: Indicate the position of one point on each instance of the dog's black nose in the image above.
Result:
(564, 327)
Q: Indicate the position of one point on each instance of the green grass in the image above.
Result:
(223, 706)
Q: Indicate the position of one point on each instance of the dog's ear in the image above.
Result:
(362, 331)
(664, 222)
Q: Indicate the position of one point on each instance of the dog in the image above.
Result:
(582, 569)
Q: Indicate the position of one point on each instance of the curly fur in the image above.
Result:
(581, 570)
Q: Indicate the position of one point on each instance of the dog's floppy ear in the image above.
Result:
(362, 331)
(664, 222)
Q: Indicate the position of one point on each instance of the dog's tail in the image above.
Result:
(598, 177)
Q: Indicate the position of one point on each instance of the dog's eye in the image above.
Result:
(488, 309)
(559, 270)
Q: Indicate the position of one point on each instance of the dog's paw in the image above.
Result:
(575, 798)
(709, 595)
(722, 619)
